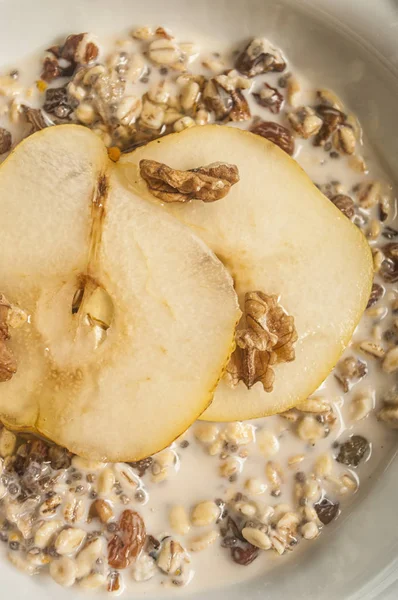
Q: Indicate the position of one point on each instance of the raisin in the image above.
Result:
(353, 450)
(327, 510)
(244, 556)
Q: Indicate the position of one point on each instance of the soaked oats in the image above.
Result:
(232, 494)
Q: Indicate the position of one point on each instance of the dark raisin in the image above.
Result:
(300, 477)
(327, 510)
(244, 556)
(353, 450)
(184, 444)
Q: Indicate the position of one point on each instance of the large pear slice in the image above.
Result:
(278, 234)
(68, 223)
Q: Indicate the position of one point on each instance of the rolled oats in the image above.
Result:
(205, 513)
(255, 486)
(257, 538)
(390, 362)
(372, 349)
(50, 506)
(143, 33)
(152, 115)
(45, 533)
(277, 541)
(389, 415)
(129, 110)
(230, 467)
(69, 540)
(323, 465)
(206, 432)
(64, 571)
(93, 581)
(179, 520)
(239, 433)
(106, 481)
(295, 460)
(137, 68)
(314, 404)
(201, 542)
(85, 113)
(87, 557)
(378, 259)
(274, 474)
(21, 563)
(310, 430)
(183, 123)
(246, 508)
(267, 442)
(189, 95)
(74, 509)
(361, 406)
(164, 52)
(309, 530)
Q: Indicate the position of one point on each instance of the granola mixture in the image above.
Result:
(236, 494)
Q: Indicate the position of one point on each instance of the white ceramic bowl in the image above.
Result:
(351, 47)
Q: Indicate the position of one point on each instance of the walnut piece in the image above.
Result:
(260, 57)
(205, 183)
(10, 316)
(35, 118)
(275, 133)
(125, 546)
(224, 97)
(266, 340)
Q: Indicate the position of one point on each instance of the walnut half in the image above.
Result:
(266, 340)
(10, 316)
(205, 183)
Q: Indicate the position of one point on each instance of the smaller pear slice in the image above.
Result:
(277, 234)
(131, 316)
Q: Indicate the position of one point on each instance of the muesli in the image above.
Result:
(271, 484)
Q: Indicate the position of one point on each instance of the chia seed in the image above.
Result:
(14, 545)
(139, 496)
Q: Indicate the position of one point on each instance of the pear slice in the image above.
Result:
(131, 316)
(276, 233)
